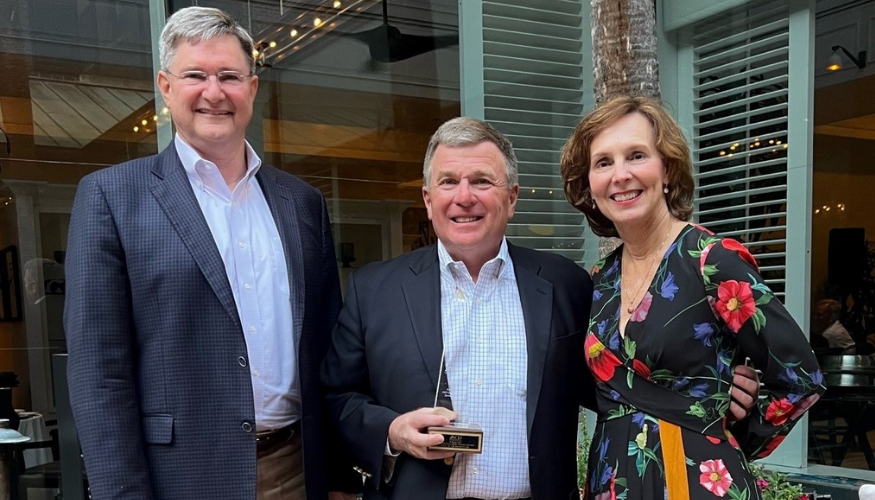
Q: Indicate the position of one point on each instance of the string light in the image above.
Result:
(838, 207)
(753, 145)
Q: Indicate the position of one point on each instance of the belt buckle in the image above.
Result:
(276, 435)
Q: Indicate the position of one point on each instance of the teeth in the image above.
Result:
(465, 219)
(625, 196)
(208, 112)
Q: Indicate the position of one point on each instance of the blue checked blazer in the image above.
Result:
(159, 386)
(386, 354)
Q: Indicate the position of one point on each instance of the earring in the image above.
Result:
(593, 205)
(665, 189)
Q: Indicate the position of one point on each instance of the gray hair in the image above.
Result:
(467, 131)
(199, 24)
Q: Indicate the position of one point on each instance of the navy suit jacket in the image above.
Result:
(158, 376)
(385, 358)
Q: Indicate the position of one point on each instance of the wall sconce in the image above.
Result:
(834, 63)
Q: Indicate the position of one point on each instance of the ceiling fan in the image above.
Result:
(387, 44)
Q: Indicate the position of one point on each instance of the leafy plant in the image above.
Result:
(583, 442)
(774, 485)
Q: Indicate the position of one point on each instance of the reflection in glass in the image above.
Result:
(842, 425)
(76, 96)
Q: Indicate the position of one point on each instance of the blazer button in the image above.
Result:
(247, 427)
(241, 361)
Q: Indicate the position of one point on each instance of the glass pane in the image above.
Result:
(77, 95)
(842, 429)
(348, 99)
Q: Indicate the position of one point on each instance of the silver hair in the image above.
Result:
(467, 131)
(198, 24)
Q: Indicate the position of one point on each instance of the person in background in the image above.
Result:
(201, 291)
(827, 325)
(672, 308)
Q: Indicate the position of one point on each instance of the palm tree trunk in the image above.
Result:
(624, 52)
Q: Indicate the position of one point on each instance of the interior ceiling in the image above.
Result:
(846, 109)
(73, 115)
(862, 127)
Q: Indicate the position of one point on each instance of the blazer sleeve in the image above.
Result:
(362, 422)
(339, 469)
(102, 343)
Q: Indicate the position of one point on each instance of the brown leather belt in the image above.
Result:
(267, 439)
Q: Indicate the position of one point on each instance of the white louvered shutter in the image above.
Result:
(522, 72)
(740, 131)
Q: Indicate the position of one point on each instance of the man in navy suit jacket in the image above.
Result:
(202, 289)
(509, 322)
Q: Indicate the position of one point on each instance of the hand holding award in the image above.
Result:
(459, 437)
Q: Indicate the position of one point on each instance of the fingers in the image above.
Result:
(450, 414)
(408, 433)
(743, 393)
(736, 412)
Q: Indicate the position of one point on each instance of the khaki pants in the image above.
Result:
(281, 470)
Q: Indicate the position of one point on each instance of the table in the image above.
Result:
(850, 395)
(33, 425)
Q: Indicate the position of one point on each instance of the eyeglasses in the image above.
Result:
(223, 78)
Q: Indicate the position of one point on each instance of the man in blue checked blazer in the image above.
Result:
(202, 289)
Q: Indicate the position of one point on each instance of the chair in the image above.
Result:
(46, 475)
(67, 471)
(43, 476)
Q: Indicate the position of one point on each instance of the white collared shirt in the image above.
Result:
(248, 241)
(484, 337)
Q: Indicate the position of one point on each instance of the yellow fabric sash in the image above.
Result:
(674, 460)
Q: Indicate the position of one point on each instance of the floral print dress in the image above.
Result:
(663, 387)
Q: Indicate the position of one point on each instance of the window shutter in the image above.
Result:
(740, 131)
(528, 82)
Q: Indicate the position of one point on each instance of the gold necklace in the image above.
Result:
(653, 260)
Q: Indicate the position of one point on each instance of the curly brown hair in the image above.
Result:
(670, 143)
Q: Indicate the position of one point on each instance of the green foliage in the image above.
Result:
(774, 485)
(583, 442)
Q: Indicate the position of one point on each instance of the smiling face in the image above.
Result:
(469, 202)
(209, 117)
(626, 173)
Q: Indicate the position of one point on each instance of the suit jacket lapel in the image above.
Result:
(282, 207)
(172, 189)
(536, 297)
(423, 297)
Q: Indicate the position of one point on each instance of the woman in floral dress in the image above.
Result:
(674, 308)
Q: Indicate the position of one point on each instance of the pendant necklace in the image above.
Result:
(653, 260)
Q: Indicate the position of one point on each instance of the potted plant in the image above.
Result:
(774, 485)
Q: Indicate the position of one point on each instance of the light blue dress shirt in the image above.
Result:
(484, 339)
(248, 240)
